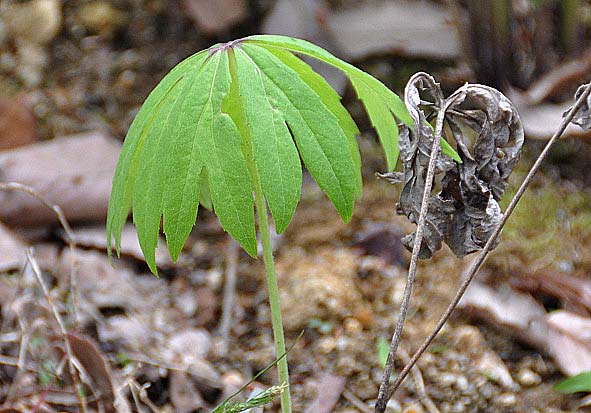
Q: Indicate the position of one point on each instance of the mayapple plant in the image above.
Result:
(226, 128)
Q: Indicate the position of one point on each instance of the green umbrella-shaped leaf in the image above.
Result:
(275, 154)
(321, 141)
(332, 100)
(126, 171)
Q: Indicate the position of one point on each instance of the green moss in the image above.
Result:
(550, 225)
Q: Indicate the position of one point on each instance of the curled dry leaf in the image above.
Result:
(583, 116)
(488, 136)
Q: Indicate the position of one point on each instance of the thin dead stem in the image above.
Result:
(62, 328)
(232, 251)
(354, 400)
(475, 266)
(412, 269)
(417, 377)
(15, 186)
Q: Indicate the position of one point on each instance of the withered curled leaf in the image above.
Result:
(583, 115)
(488, 135)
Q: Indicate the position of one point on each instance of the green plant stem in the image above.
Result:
(276, 320)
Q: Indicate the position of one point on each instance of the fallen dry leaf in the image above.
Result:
(96, 237)
(540, 121)
(216, 16)
(564, 337)
(96, 366)
(395, 27)
(558, 78)
(80, 185)
(183, 394)
(328, 393)
(17, 124)
(12, 250)
(573, 292)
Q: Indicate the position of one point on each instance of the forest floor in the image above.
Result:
(152, 344)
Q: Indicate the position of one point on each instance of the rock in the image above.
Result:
(469, 337)
(130, 331)
(189, 344)
(491, 365)
(35, 21)
(104, 288)
(96, 237)
(32, 60)
(100, 17)
(528, 378)
(506, 400)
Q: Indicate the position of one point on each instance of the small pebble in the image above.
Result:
(528, 378)
(447, 379)
(506, 399)
(101, 17)
(353, 327)
(462, 384)
(468, 337)
(415, 408)
(327, 345)
(393, 407)
(458, 407)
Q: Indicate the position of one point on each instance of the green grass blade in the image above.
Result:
(125, 174)
(332, 101)
(275, 154)
(579, 383)
(321, 141)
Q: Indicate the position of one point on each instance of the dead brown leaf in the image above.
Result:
(17, 124)
(12, 250)
(215, 16)
(395, 28)
(564, 337)
(95, 365)
(184, 395)
(328, 393)
(96, 237)
(80, 185)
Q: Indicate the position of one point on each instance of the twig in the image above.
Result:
(9, 361)
(232, 251)
(62, 328)
(354, 400)
(412, 269)
(475, 266)
(15, 186)
(419, 384)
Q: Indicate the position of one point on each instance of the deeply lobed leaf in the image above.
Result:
(316, 130)
(245, 110)
(380, 102)
(123, 183)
